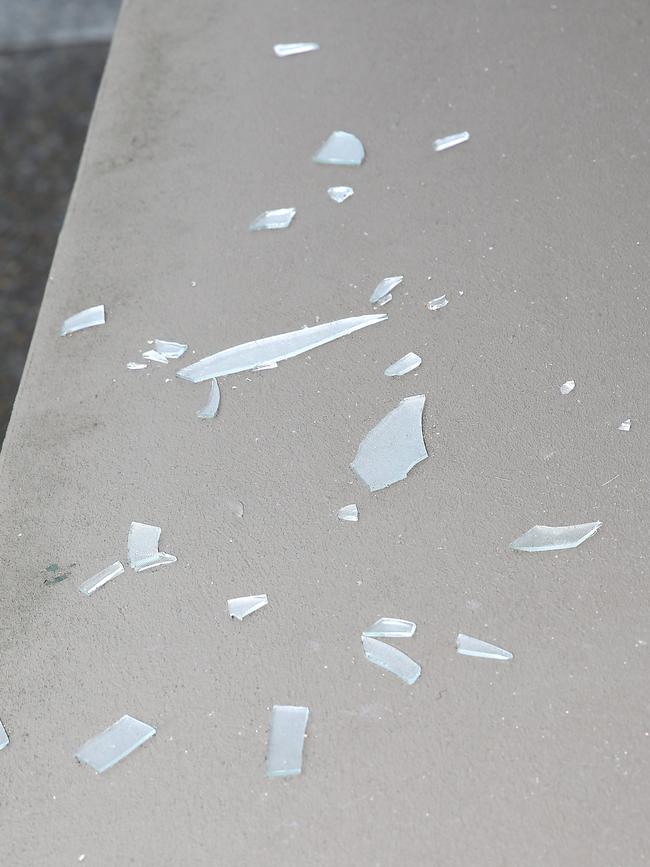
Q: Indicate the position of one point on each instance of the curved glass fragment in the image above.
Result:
(84, 319)
(212, 406)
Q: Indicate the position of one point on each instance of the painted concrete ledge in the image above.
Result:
(541, 222)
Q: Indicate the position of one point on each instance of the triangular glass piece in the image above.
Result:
(340, 149)
(468, 646)
(541, 538)
(245, 605)
(348, 513)
(384, 288)
(340, 194)
(391, 659)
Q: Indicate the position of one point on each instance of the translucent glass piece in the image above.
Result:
(248, 356)
(270, 365)
(438, 303)
(286, 740)
(85, 319)
(115, 743)
(384, 287)
(91, 584)
(468, 646)
(278, 219)
(391, 659)
(340, 194)
(348, 513)
(567, 387)
(143, 548)
(405, 364)
(154, 355)
(625, 425)
(450, 141)
(134, 365)
(245, 605)
(385, 300)
(169, 348)
(393, 447)
(4, 737)
(390, 627)
(288, 49)
(540, 538)
(212, 406)
(340, 149)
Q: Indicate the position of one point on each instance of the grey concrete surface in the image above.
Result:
(541, 222)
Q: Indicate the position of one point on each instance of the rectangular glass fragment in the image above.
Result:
(567, 387)
(115, 743)
(348, 513)
(134, 365)
(212, 406)
(340, 149)
(390, 627)
(154, 355)
(393, 447)
(384, 287)
(248, 356)
(450, 141)
(286, 740)
(279, 219)
(391, 659)
(340, 194)
(438, 303)
(4, 737)
(169, 348)
(91, 584)
(245, 605)
(405, 364)
(288, 49)
(84, 319)
(142, 546)
(541, 538)
(468, 646)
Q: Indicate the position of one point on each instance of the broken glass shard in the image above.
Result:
(212, 406)
(340, 149)
(84, 319)
(340, 194)
(288, 49)
(169, 348)
(468, 646)
(143, 548)
(91, 584)
(567, 387)
(450, 141)
(385, 300)
(405, 364)
(390, 627)
(248, 356)
(392, 447)
(286, 740)
(245, 605)
(4, 737)
(348, 513)
(540, 538)
(438, 303)
(115, 743)
(270, 365)
(384, 287)
(391, 659)
(625, 425)
(134, 365)
(154, 355)
(278, 219)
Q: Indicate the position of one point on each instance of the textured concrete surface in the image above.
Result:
(541, 222)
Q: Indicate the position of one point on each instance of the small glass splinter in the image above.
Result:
(567, 387)
(540, 538)
(468, 646)
(340, 149)
(438, 303)
(4, 737)
(348, 513)
(384, 288)
(391, 659)
(450, 141)
(288, 49)
(625, 425)
(101, 578)
(134, 365)
(393, 447)
(115, 743)
(84, 319)
(212, 406)
(245, 605)
(404, 365)
(143, 548)
(340, 194)
(279, 219)
(286, 740)
(169, 348)
(390, 627)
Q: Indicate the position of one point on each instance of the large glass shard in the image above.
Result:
(288, 49)
(154, 355)
(4, 737)
(468, 646)
(405, 364)
(143, 548)
(540, 538)
(390, 627)
(391, 659)
(212, 406)
(625, 425)
(84, 319)
(348, 513)
(245, 605)
(450, 141)
(384, 288)
(115, 743)
(278, 219)
(438, 303)
(340, 194)
(393, 447)
(340, 149)
(169, 348)
(286, 740)
(91, 584)
(567, 387)
(248, 356)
